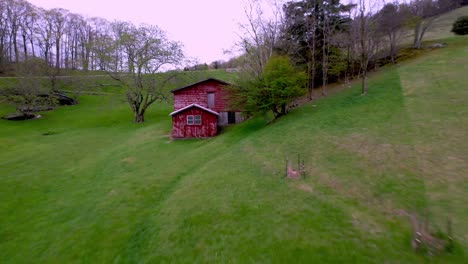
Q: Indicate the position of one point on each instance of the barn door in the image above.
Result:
(231, 117)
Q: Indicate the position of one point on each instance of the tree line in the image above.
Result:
(328, 40)
(63, 39)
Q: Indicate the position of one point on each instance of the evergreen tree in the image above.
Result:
(307, 36)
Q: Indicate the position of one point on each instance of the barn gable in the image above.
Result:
(210, 93)
(193, 105)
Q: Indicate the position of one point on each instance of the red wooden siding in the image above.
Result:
(198, 94)
(207, 128)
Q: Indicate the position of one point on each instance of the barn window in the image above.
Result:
(194, 120)
(211, 100)
(198, 120)
(190, 120)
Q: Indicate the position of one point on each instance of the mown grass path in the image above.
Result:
(436, 93)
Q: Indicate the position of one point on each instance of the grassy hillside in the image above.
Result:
(441, 27)
(84, 184)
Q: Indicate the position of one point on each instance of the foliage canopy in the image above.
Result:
(278, 85)
(147, 51)
(460, 27)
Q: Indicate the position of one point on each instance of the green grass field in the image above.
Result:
(84, 184)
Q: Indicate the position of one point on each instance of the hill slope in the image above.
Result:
(85, 184)
(442, 25)
(440, 28)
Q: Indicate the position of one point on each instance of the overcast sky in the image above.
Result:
(205, 27)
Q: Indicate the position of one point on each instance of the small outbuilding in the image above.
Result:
(194, 121)
(200, 108)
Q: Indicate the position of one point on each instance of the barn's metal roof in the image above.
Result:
(197, 83)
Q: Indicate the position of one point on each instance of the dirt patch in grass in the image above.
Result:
(304, 187)
(355, 191)
(378, 154)
(266, 167)
(129, 160)
(365, 223)
(360, 220)
(146, 135)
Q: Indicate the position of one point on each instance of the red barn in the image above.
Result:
(200, 108)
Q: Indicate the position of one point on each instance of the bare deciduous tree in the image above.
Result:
(367, 36)
(147, 50)
(391, 20)
(425, 12)
(58, 18)
(27, 28)
(45, 34)
(260, 35)
(3, 34)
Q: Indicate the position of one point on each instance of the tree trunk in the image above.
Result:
(279, 111)
(66, 54)
(32, 46)
(364, 81)
(324, 74)
(325, 51)
(139, 117)
(392, 40)
(417, 44)
(25, 47)
(312, 67)
(46, 55)
(53, 80)
(15, 46)
(417, 35)
(310, 83)
(364, 52)
(324, 67)
(1, 52)
(57, 54)
(348, 65)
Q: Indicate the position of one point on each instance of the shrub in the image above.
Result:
(460, 27)
(273, 91)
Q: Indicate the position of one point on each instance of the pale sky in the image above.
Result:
(205, 27)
